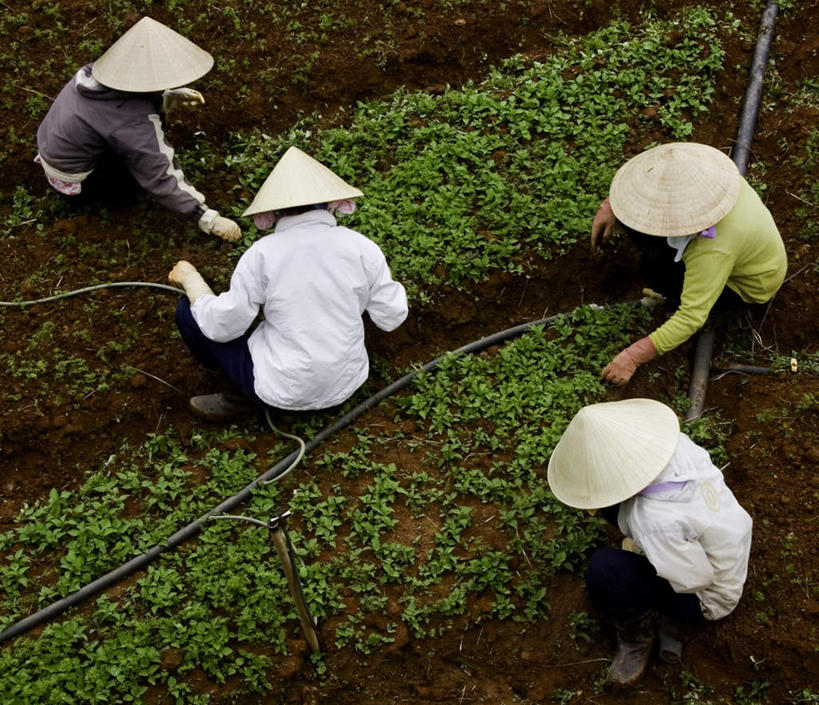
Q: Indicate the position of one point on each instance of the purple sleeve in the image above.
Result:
(142, 146)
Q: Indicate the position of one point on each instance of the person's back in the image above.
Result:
(319, 279)
(79, 127)
(704, 513)
(747, 237)
(311, 279)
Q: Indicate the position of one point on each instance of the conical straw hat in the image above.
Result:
(675, 189)
(151, 57)
(299, 180)
(611, 451)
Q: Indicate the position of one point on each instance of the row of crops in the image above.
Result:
(479, 178)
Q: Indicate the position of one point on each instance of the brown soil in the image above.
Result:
(771, 637)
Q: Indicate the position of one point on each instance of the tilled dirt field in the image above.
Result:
(771, 638)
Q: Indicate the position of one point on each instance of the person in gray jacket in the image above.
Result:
(114, 108)
(685, 555)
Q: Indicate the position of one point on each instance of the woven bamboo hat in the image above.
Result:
(611, 451)
(151, 57)
(675, 189)
(299, 180)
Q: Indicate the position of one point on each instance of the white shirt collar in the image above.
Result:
(314, 216)
(679, 244)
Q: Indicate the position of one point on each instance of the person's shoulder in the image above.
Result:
(263, 244)
(357, 238)
(721, 245)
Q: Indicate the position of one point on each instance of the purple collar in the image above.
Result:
(661, 487)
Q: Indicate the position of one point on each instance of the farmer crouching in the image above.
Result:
(104, 129)
(706, 240)
(312, 279)
(688, 536)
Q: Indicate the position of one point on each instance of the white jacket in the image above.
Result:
(696, 536)
(312, 280)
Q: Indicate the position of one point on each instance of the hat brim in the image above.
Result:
(675, 189)
(299, 180)
(151, 57)
(610, 451)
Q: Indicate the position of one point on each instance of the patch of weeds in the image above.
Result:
(757, 693)
(711, 432)
(25, 210)
(583, 627)
(695, 692)
(487, 176)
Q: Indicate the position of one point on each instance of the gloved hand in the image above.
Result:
(225, 228)
(622, 367)
(629, 545)
(184, 274)
(602, 225)
(174, 98)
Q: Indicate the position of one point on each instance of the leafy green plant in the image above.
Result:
(498, 174)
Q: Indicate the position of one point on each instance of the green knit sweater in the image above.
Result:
(747, 254)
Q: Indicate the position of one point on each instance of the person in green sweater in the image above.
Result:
(706, 239)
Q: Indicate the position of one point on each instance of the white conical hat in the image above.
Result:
(611, 451)
(675, 189)
(151, 57)
(299, 180)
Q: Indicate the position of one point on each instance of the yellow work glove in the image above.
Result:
(184, 274)
(225, 228)
(175, 98)
(629, 545)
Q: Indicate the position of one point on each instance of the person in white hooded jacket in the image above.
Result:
(687, 538)
(312, 279)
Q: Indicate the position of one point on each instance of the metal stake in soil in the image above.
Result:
(283, 546)
(281, 541)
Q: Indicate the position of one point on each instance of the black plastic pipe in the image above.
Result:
(188, 532)
(742, 370)
(753, 93)
(701, 368)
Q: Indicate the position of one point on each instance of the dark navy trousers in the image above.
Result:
(623, 585)
(232, 357)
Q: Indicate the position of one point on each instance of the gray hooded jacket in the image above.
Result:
(88, 119)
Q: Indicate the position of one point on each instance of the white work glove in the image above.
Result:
(225, 228)
(184, 274)
(175, 98)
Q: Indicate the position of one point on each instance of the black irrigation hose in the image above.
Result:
(699, 377)
(738, 369)
(701, 367)
(188, 532)
(742, 370)
(753, 94)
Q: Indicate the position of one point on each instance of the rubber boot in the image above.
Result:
(635, 638)
(668, 640)
(221, 406)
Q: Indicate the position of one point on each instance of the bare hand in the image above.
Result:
(602, 225)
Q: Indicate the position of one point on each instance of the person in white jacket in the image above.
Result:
(312, 279)
(687, 538)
